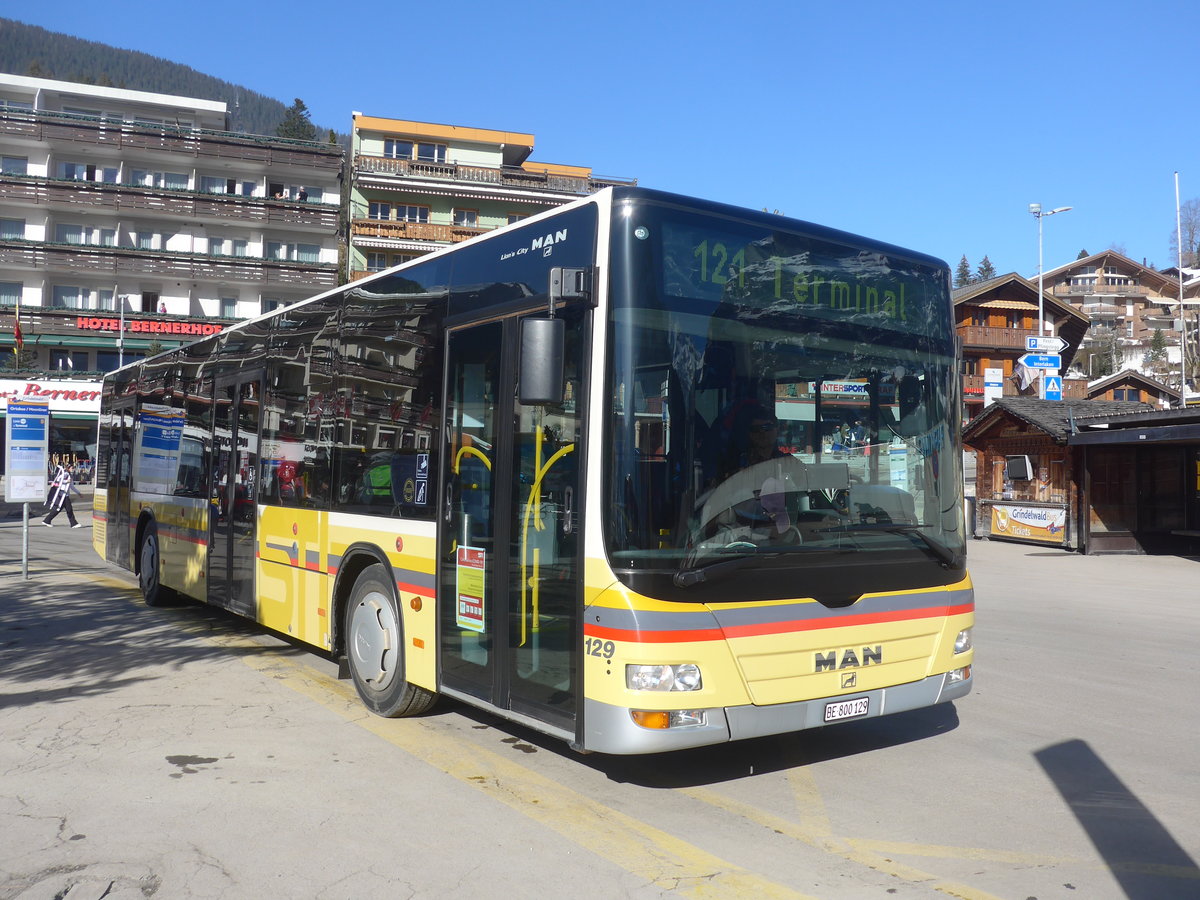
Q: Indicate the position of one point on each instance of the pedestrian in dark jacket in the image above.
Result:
(60, 496)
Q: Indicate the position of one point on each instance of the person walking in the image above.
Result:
(60, 495)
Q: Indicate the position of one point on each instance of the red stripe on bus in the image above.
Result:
(766, 628)
(414, 589)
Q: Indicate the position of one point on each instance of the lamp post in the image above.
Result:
(1036, 209)
(1182, 308)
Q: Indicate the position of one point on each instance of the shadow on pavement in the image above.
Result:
(74, 630)
(1141, 854)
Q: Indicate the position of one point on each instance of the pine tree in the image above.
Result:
(1083, 254)
(296, 123)
(962, 272)
(986, 270)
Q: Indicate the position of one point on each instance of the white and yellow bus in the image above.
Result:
(642, 473)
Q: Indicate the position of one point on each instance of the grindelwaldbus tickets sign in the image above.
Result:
(1029, 523)
(470, 565)
(26, 445)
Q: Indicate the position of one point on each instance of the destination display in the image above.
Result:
(785, 272)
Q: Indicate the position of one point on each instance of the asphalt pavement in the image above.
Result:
(180, 752)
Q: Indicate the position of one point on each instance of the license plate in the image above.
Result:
(847, 709)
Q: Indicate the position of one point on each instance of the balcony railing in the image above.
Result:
(506, 176)
(994, 336)
(414, 231)
(44, 125)
(1082, 290)
(92, 259)
(164, 201)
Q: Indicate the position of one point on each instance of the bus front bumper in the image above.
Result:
(611, 729)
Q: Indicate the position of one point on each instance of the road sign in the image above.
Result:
(1053, 387)
(1041, 361)
(1050, 344)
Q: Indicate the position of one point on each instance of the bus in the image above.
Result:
(521, 472)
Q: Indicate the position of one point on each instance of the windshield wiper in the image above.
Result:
(947, 557)
(715, 571)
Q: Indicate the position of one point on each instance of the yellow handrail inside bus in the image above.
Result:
(470, 451)
(535, 497)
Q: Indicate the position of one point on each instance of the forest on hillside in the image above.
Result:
(34, 51)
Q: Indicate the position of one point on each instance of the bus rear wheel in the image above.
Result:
(374, 647)
(149, 570)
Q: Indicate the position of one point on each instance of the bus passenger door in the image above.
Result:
(233, 501)
(120, 460)
(509, 583)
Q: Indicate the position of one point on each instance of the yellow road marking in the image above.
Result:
(809, 802)
(824, 840)
(661, 859)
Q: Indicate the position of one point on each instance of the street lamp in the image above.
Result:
(1036, 209)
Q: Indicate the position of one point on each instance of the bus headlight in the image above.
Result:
(962, 643)
(682, 677)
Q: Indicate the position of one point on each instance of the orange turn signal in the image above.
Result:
(651, 718)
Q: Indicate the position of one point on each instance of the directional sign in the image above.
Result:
(1035, 344)
(1053, 387)
(1041, 361)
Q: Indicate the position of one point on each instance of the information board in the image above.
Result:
(26, 451)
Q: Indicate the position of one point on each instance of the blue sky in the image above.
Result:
(929, 125)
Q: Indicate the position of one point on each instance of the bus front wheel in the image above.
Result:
(374, 647)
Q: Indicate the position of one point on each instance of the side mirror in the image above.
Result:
(542, 347)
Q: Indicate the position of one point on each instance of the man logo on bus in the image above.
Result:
(849, 659)
(545, 244)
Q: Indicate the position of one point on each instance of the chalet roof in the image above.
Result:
(1131, 375)
(1015, 287)
(1111, 258)
(1057, 418)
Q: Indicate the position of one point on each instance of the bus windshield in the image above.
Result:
(783, 398)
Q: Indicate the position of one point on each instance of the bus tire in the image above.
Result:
(374, 647)
(150, 568)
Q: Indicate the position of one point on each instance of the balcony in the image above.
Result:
(58, 127)
(507, 177)
(1099, 311)
(164, 202)
(415, 231)
(994, 337)
(94, 260)
(1085, 290)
